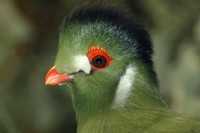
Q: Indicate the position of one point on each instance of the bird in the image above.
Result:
(104, 60)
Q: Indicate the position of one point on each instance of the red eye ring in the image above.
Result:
(98, 57)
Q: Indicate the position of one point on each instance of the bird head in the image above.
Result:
(103, 56)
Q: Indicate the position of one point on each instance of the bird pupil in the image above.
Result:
(98, 60)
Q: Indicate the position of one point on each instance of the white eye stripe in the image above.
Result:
(124, 87)
(81, 62)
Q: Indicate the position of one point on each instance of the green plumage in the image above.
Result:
(93, 94)
(140, 120)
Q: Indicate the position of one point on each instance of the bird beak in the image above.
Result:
(53, 77)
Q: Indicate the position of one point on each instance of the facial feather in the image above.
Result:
(124, 87)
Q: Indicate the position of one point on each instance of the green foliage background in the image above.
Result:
(28, 45)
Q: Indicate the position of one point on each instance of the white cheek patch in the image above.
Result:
(124, 87)
(81, 62)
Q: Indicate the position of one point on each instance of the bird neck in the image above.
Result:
(91, 104)
(144, 93)
(86, 109)
(145, 88)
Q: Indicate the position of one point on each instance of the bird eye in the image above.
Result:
(99, 61)
(98, 57)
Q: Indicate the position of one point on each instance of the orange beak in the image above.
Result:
(53, 77)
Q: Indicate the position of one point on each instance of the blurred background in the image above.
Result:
(28, 45)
